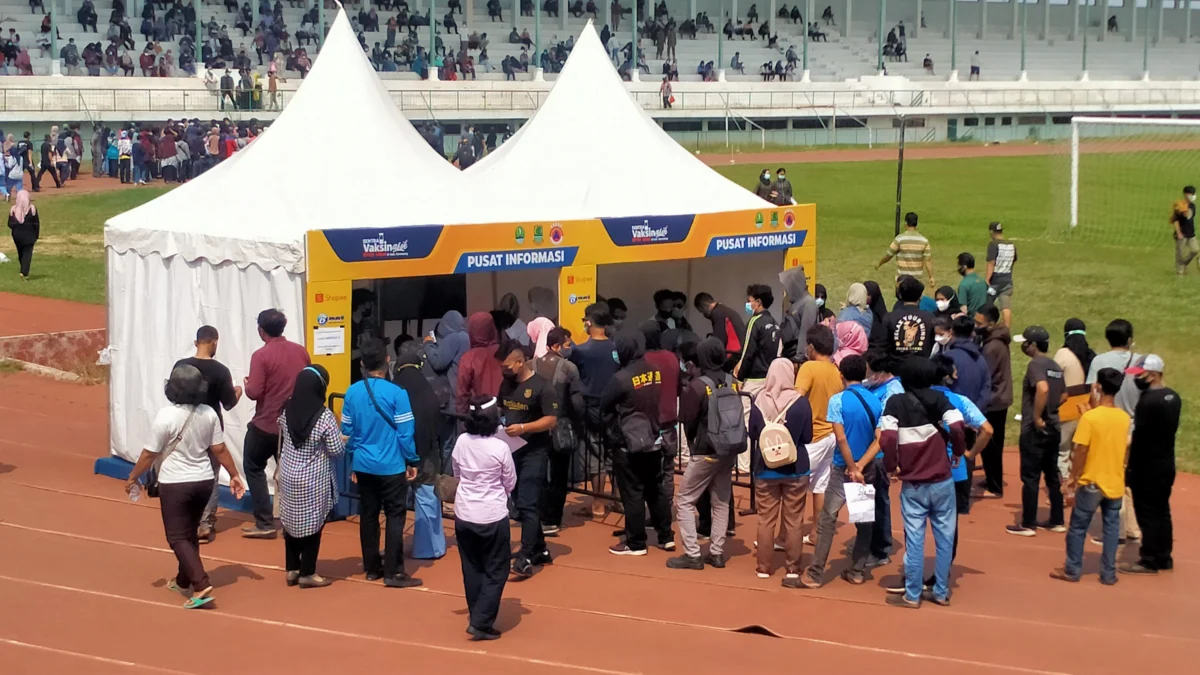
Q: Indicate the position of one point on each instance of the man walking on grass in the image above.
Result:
(1041, 393)
(912, 252)
(1098, 468)
(1001, 258)
(1183, 218)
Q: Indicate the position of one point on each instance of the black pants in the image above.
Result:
(125, 168)
(1039, 459)
(962, 503)
(387, 493)
(258, 449)
(24, 256)
(228, 94)
(169, 174)
(1152, 505)
(33, 178)
(993, 453)
(639, 478)
(554, 497)
(182, 505)
(530, 463)
(74, 164)
(484, 551)
(48, 168)
(301, 553)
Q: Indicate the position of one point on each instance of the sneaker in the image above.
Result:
(549, 530)
(542, 558)
(896, 588)
(315, 581)
(523, 568)
(623, 549)
(374, 576)
(1109, 582)
(798, 581)
(1136, 568)
(762, 575)
(480, 635)
(942, 602)
(900, 600)
(1099, 541)
(854, 578)
(685, 562)
(808, 541)
(1059, 529)
(873, 562)
(206, 535)
(667, 545)
(401, 581)
(256, 532)
(717, 561)
(1061, 575)
(1021, 531)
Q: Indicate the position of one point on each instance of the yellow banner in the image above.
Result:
(803, 255)
(327, 330)
(576, 290)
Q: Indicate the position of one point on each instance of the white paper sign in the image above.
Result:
(860, 502)
(329, 340)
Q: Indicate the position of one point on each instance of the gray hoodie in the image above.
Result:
(802, 312)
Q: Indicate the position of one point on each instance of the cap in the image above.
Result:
(1151, 364)
(1033, 334)
(996, 226)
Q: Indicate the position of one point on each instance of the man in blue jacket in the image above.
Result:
(379, 423)
(974, 379)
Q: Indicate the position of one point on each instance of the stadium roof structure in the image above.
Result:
(255, 207)
(590, 151)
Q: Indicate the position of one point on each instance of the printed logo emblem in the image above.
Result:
(644, 234)
(572, 298)
(322, 319)
(556, 234)
(520, 235)
(758, 220)
(537, 234)
(378, 247)
(320, 297)
(789, 219)
(774, 219)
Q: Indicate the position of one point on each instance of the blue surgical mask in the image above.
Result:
(749, 308)
(565, 352)
(820, 302)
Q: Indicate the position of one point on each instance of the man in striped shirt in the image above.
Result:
(911, 250)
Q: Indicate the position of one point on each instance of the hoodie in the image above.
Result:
(427, 417)
(635, 388)
(974, 375)
(693, 403)
(802, 315)
(999, 361)
(478, 369)
(444, 355)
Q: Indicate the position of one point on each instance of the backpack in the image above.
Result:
(562, 437)
(775, 442)
(726, 432)
(638, 433)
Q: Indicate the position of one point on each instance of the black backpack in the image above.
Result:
(726, 430)
(639, 434)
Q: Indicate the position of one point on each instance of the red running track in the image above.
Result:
(83, 569)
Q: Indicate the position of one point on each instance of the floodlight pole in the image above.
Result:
(537, 35)
(721, 40)
(433, 30)
(1024, 30)
(54, 32)
(320, 20)
(900, 173)
(1087, 25)
(199, 4)
(879, 35)
(954, 35)
(1146, 41)
(633, 42)
(808, 7)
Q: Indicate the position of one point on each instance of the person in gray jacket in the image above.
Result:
(801, 315)
(442, 354)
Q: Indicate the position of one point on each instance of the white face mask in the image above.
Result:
(943, 305)
(942, 340)
(1191, 198)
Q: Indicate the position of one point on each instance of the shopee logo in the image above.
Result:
(320, 297)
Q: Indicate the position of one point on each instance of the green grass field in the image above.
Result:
(1114, 266)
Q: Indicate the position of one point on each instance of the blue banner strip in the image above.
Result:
(753, 243)
(521, 259)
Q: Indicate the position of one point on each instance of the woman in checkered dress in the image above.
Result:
(310, 440)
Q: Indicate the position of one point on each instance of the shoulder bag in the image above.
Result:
(152, 486)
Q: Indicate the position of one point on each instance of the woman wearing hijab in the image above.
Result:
(948, 305)
(877, 335)
(443, 351)
(1075, 358)
(780, 493)
(310, 439)
(429, 539)
(26, 227)
(538, 330)
(856, 308)
(824, 314)
(850, 339)
(125, 157)
(516, 330)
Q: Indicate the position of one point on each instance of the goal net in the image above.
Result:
(1125, 175)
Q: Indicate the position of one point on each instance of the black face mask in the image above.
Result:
(1141, 383)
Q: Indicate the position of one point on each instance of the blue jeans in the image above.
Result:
(1088, 498)
(933, 503)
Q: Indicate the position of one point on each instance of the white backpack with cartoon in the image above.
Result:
(775, 441)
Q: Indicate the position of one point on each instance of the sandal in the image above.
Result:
(200, 599)
(174, 587)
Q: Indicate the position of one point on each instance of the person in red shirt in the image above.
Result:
(273, 371)
(479, 371)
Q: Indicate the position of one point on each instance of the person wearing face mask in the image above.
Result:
(803, 313)
(947, 303)
(1001, 258)
(1041, 393)
(995, 339)
(727, 326)
(765, 189)
(555, 367)
(668, 413)
(1183, 218)
(679, 311)
(1075, 358)
(972, 290)
(618, 310)
(530, 411)
(597, 360)
(783, 189)
(762, 346)
(943, 335)
(825, 315)
(973, 378)
(1151, 472)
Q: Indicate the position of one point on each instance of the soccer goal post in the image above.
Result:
(1138, 165)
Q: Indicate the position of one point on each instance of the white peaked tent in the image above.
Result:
(230, 243)
(590, 151)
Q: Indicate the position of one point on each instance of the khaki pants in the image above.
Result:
(780, 503)
(1186, 251)
(1065, 447)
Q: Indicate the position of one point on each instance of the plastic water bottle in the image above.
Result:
(135, 493)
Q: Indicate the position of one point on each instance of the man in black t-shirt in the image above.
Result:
(908, 330)
(1183, 218)
(530, 409)
(47, 163)
(221, 394)
(596, 360)
(1041, 393)
(1151, 471)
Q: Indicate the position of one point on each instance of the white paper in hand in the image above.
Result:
(860, 502)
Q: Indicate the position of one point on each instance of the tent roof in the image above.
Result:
(340, 155)
(591, 151)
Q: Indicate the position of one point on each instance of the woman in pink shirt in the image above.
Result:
(486, 476)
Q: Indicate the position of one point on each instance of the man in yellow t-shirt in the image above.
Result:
(1098, 472)
(819, 379)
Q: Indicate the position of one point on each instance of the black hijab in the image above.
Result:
(307, 403)
(710, 356)
(426, 408)
(877, 305)
(1076, 341)
(652, 332)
